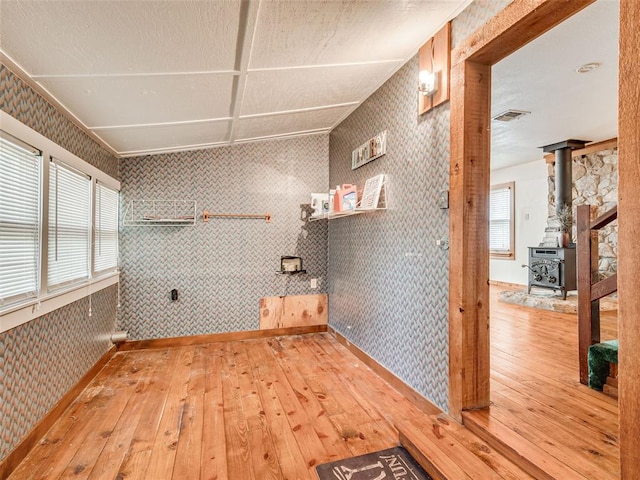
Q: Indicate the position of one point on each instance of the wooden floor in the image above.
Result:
(256, 409)
(275, 408)
(538, 405)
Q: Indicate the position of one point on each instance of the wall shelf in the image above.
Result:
(375, 193)
(348, 213)
(158, 213)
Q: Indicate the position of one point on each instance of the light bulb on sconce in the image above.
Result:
(428, 82)
(434, 65)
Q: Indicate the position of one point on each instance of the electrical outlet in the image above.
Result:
(314, 283)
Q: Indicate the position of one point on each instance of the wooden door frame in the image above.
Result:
(515, 26)
(628, 241)
(469, 362)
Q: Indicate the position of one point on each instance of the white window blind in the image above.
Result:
(105, 246)
(500, 220)
(19, 219)
(69, 221)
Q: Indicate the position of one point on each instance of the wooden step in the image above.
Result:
(525, 454)
(447, 450)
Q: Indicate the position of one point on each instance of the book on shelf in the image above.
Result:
(371, 192)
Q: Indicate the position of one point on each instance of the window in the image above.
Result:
(501, 221)
(105, 245)
(19, 219)
(69, 225)
(58, 226)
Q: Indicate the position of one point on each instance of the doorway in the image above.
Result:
(536, 396)
(470, 182)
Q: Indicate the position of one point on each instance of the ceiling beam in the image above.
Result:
(142, 74)
(328, 65)
(180, 148)
(161, 124)
(301, 110)
(246, 31)
(301, 133)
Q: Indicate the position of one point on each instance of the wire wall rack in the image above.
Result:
(160, 213)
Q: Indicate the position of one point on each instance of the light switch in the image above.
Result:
(443, 243)
(443, 199)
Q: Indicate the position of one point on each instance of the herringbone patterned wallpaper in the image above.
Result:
(22, 103)
(221, 269)
(387, 277)
(388, 280)
(473, 17)
(42, 359)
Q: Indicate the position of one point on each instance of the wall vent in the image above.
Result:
(509, 115)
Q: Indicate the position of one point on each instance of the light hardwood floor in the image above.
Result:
(275, 408)
(538, 405)
(256, 409)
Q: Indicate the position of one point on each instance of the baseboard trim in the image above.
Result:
(408, 392)
(217, 337)
(18, 454)
(498, 283)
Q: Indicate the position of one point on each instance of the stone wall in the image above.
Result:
(595, 182)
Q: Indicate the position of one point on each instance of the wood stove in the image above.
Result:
(552, 267)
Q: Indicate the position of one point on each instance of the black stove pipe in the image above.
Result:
(563, 178)
(563, 169)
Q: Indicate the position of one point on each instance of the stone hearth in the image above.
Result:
(548, 300)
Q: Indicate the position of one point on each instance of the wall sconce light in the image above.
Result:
(428, 82)
(434, 62)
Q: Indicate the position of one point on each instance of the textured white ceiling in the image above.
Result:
(143, 99)
(541, 78)
(168, 137)
(151, 76)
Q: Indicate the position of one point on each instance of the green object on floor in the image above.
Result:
(600, 356)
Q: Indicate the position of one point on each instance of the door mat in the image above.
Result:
(391, 464)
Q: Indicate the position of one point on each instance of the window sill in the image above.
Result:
(36, 307)
(502, 256)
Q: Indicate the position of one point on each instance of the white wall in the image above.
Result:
(530, 217)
